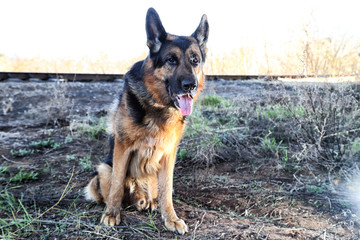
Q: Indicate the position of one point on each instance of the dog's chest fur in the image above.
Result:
(147, 153)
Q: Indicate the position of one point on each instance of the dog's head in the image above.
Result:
(173, 71)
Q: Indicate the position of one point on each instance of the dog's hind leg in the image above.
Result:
(145, 192)
(99, 186)
(137, 195)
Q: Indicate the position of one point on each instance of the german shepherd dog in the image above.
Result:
(147, 123)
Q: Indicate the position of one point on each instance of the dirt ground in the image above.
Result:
(235, 199)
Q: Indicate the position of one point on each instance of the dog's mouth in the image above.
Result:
(184, 102)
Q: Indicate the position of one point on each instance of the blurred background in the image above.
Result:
(246, 37)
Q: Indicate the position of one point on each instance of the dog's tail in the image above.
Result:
(99, 186)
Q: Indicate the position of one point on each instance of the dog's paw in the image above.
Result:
(178, 226)
(142, 204)
(111, 217)
(153, 205)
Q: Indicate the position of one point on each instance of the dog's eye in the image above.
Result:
(194, 60)
(172, 60)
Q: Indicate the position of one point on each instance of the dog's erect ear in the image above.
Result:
(155, 31)
(201, 34)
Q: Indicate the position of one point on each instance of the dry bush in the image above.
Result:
(56, 110)
(330, 56)
(60, 108)
(309, 128)
(238, 61)
(329, 126)
(317, 128)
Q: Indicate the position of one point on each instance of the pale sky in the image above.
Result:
(78, 28)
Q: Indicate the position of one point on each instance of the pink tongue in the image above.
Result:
(186, 104)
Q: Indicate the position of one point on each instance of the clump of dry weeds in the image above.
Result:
(56, 111)
(328, 128)
(312, 128)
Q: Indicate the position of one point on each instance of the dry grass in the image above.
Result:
(103, 64)
(305, 56)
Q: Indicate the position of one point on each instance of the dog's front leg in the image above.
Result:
(165, 177)
(121, 157)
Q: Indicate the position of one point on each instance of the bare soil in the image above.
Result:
(233, 199)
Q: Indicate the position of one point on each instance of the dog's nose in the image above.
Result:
(188, 84)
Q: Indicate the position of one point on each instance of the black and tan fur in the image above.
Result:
(148, 122)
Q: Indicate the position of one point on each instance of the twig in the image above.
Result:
(57, 222)
(102, 235)
(19, 163)
(229, 129)
(138, 231)
(329, 201)
(198, 224)
(73, 214)
(260, 230)
(258, 168)
(340, 133)
(298, 179)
